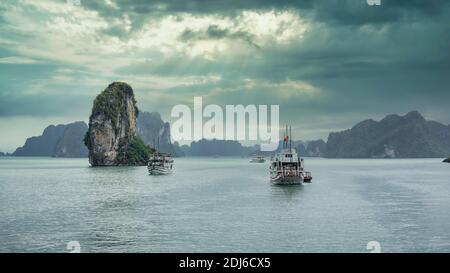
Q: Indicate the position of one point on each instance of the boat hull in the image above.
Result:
(159, 171)
(257, 161)
(286, 180)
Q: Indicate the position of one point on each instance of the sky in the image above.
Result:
(329, 64)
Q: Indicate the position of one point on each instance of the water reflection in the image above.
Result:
(286, 192)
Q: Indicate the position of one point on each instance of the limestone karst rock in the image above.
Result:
(111, 138)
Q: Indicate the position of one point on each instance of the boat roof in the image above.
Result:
(283, 155)
(288, 151)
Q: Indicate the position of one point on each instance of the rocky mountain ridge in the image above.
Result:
(64, 140)
(408, 136)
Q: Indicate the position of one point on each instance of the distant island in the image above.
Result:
(216, 147)
(408, 136)
(156, 133)
(315, 148)
(447, 160)
(57, 141)
(66, 140)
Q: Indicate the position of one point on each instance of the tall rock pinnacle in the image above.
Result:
(111, 138)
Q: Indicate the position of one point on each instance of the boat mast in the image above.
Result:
(290, 139)
(156, 144)
(286, 135)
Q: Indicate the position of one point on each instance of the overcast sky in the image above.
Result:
(328, 64)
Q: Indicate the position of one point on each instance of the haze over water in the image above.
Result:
(224, 205)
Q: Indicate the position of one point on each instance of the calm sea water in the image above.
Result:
(224, 205)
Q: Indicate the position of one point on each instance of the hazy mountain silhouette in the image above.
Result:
(60, 140)
(408, 136)
(156, 133)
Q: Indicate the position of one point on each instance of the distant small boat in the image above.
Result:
(160, 164)
(287, 168)
(258, 159)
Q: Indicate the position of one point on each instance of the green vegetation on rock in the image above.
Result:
(136, 154)
(87, 138)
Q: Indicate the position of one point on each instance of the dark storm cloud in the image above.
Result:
(351, 12)
(214, 32)
(326, 52)
(399, 41)
(333, 7)
(345, 12)
(199, 6)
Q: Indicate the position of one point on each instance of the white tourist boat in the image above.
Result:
(160, 164)
(286, 167)
(258, 159)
